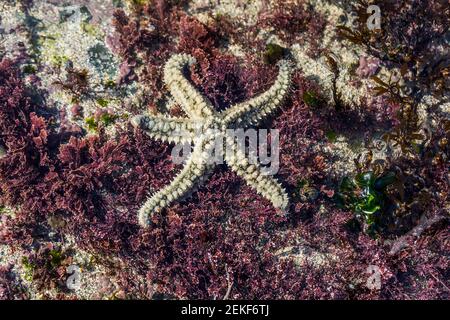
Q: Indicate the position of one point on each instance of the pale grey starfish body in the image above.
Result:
(202, 127)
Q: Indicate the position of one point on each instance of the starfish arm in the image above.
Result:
(169, 129)
(192, 101)
(255, 110)
(265, 185)
(192, 174)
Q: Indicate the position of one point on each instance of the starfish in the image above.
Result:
(212, 124)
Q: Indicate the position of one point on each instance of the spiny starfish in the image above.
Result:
(201, 115)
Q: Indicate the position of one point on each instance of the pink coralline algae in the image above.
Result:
(368, 66)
